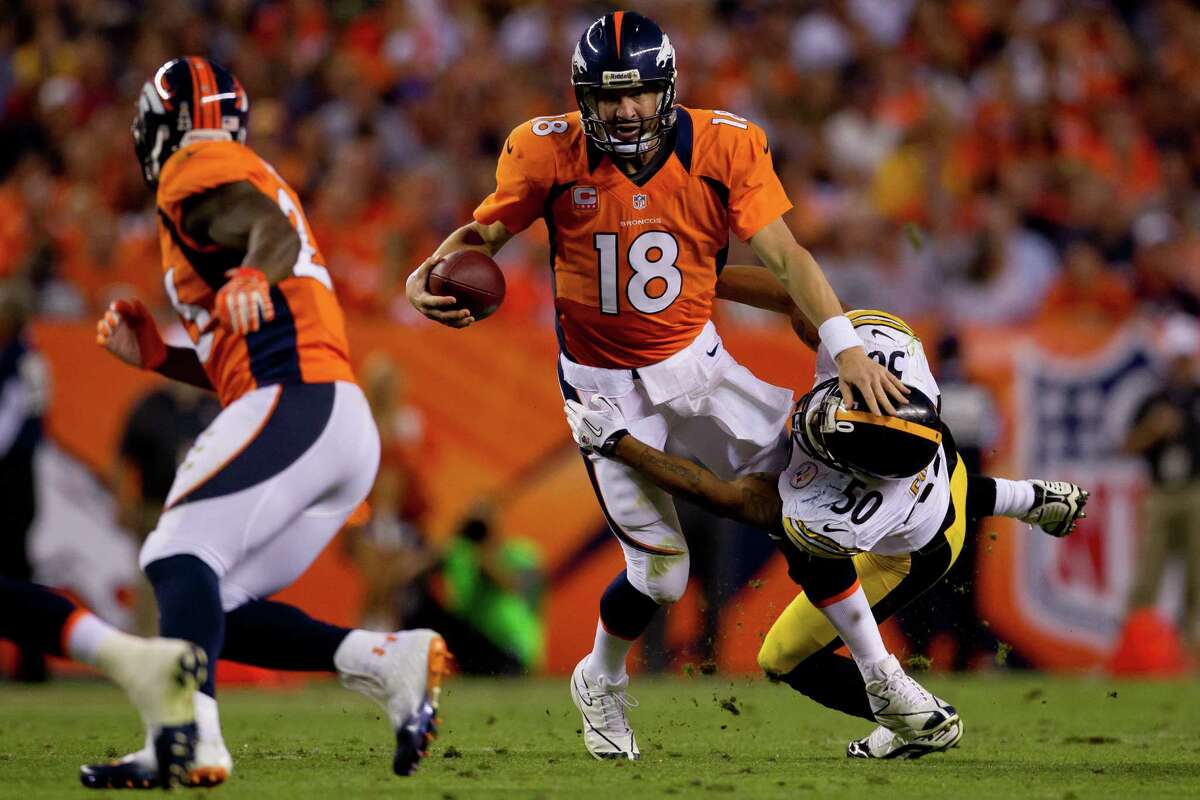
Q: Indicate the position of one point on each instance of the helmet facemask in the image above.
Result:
(651, 129)
(814, 417)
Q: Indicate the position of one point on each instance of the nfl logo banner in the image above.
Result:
(640, 201)
(1061, 602)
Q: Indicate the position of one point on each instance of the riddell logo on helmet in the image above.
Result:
(611, 78)
(585, 198)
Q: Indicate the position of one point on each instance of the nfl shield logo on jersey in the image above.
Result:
(640, 201)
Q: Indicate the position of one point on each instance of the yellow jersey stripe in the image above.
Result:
(815, 543)
(862, 318)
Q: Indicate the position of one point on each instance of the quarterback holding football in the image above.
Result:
(639, 195)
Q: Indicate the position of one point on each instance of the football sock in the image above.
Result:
(208, 721)
(83, 635)
(1013, 498)
(833, 681)
(608, 654)
(624, 615)
(264, 633)
(34, 617)
(189, 606)
(851, 617)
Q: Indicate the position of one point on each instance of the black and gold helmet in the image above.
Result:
(862, 443)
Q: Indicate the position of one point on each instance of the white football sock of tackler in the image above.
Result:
(1013, 498)
(851, 617)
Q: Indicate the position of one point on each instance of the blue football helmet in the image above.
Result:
(624, 50)
(188, 98)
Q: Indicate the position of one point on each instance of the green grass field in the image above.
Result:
(1025, 736)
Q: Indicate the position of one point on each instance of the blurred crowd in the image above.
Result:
(964, 159)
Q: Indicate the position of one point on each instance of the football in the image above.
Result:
(472, 278)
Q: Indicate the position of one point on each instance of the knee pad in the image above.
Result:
(661, 578)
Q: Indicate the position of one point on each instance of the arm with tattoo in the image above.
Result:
(753, 499)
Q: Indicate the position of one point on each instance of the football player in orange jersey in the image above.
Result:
(639, 195)
(294, 450)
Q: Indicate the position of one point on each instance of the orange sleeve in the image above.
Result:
(524, 175)
(203, 166)
(756, 196)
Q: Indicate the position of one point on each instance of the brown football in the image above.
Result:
(472, 278)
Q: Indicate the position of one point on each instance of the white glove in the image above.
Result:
(596, 427)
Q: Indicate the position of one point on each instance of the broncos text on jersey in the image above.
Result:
(635, 264)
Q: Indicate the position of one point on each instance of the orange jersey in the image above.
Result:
(306, 342)
(635, 265)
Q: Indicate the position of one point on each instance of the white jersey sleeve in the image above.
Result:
(890, 341)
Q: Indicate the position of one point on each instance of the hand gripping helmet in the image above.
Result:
(862, 443)
(624, 50)
(188, 98)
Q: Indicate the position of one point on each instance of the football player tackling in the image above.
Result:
(294, 450)
(870, 512)
(639, 196)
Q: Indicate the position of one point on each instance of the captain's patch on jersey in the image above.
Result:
(585, 198)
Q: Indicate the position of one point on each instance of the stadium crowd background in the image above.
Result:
(957, 158)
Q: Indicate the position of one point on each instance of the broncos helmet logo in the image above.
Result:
(666, 53)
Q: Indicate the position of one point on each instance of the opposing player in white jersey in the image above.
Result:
(640, 195)
(870, 512)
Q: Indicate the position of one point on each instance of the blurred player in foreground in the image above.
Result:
(294, 450)
(159, 675)
(870, 512)
(639, 195)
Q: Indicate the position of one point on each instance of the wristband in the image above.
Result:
(610, 444)
(837, 334)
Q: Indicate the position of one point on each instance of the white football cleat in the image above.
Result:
(161, 677)
(1057, 506)
(905, 706)
(606, 731)
(886, 743)
(403, 672)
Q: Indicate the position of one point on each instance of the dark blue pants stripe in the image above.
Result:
(300, 415)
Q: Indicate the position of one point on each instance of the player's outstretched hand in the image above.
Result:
(877, 386)
(243, 305)
(438, 307)
(596, 427)
(127, 330)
